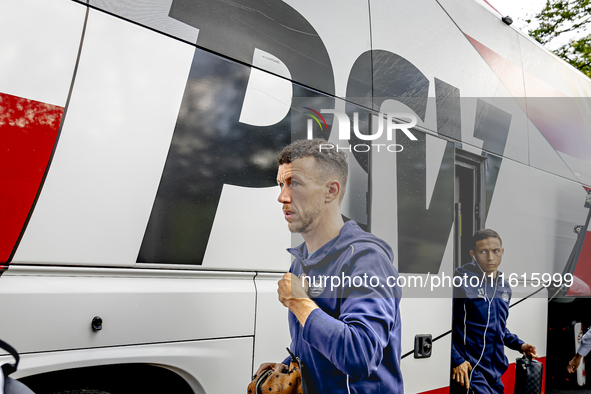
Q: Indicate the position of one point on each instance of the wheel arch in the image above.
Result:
(115, 378)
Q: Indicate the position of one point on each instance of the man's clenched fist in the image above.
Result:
(291, 287)
(293, 294)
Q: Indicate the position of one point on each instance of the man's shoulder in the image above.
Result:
(353, 241)
(367, 249)
(368, 241)
(369, 258)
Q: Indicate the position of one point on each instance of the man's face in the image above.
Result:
(488, 254)
(302, 194)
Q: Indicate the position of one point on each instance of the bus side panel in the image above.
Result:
(40, 41)
(426, 316)
(51, 309)
(424, 170)
(271, 330)
(451, 63)
(535, 212)
(298, 33)
(101, 186)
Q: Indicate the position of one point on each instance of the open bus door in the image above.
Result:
(469, 202)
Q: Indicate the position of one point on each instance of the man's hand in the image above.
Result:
(529, 350)
(574, 363)
(277, 367)
(290, 287)
(292, 294)
(461, 374)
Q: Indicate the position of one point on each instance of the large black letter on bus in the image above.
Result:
(210, 147)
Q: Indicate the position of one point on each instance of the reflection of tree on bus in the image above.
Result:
(480, 312)
(347, 335)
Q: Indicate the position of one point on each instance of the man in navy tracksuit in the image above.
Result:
(341, 291)
(480, 311)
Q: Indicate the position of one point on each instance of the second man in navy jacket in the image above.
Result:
(479, 328)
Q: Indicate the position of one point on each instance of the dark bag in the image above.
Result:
(273, 382)
(528, 376)
(10, 385)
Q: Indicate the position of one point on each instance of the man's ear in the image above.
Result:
(472, 254)
(333, 191)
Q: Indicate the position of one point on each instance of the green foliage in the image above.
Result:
(563, 16)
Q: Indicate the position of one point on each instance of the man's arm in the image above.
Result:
(582, 352)
(458, 326)
(461, 367)
(574, 363)
(367, 316)
(461, 371)
(292, 294)
(513, 342)
(585, 344)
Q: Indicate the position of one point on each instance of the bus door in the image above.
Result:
(469, 202)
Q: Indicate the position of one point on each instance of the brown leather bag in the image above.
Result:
(273, 382)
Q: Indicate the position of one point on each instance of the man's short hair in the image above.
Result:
(330, 162)
(484, 234)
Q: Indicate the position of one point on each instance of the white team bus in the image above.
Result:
(140, 234)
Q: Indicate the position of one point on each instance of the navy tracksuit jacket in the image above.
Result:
(352, 343)
(471, 306)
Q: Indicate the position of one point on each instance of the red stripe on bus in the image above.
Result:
(491, 6)
(28, 130)
(441, 390)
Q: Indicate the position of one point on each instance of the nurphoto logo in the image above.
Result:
(388, 122)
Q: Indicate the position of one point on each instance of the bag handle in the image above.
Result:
(9, 368)
(527, 357)
(293, 357)
(261, 379)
